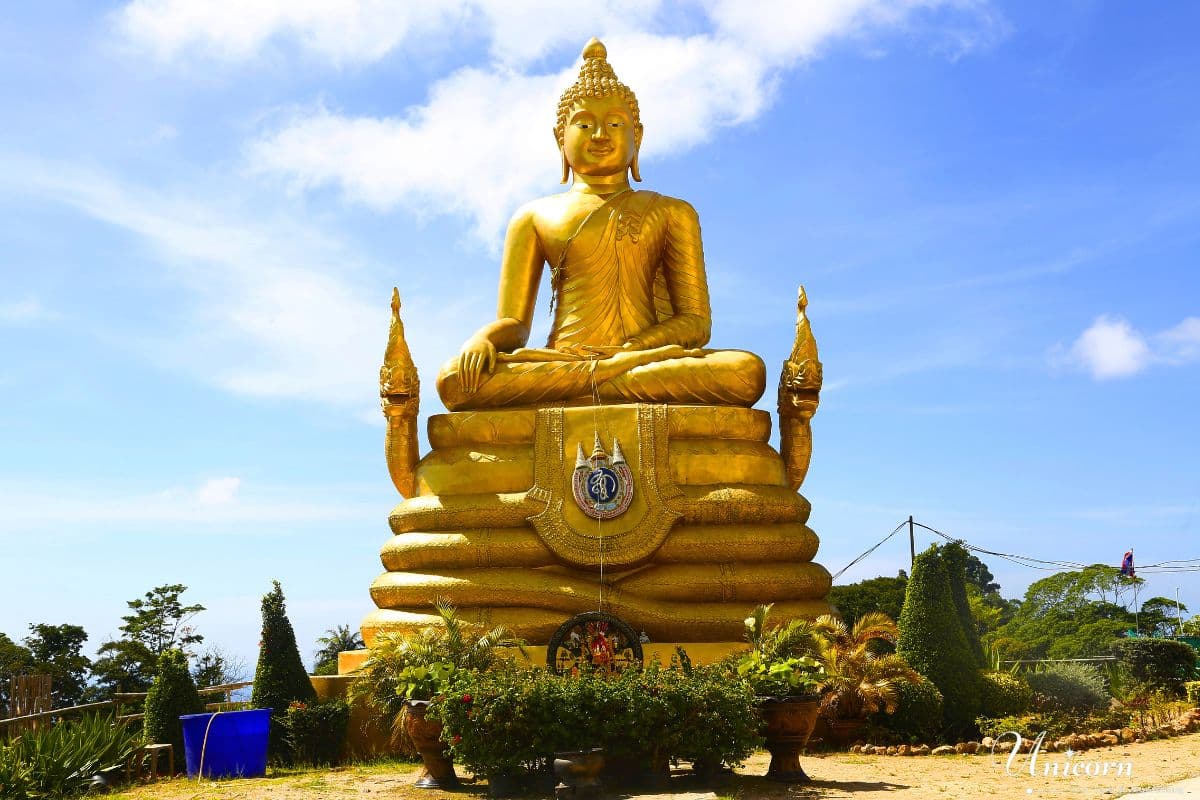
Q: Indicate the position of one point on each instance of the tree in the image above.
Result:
(159, 622)
(217, 668)
(14, 660)
(933, 642)
(980, 576)
(171, 695)
(1159, 616)
(56, 650)
(280, 677)
(882, 594)
(1070, 615)
(1191, 627)
(335, 640)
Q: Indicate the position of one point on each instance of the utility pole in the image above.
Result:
(1178, 611)
(912, 542)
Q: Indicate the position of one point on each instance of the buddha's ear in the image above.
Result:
(637, 148)
(566, 168)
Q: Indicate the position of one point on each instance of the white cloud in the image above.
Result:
(25, 311)
(273, 308)
(482, 143)
(1112, 348)
(1180, 344)
(218, 491)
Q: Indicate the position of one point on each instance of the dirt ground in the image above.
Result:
(833, 776)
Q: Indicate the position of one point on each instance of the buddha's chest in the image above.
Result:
(590, 233)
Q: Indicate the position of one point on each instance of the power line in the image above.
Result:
(870, 550)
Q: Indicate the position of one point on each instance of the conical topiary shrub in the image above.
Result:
(172, 694)
(933, 642)
(954, 557)
(280, 677)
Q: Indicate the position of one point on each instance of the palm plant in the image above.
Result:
(858, 681)
(336, 640)
(405, 667)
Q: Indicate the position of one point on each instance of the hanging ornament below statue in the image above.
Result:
(602, 485)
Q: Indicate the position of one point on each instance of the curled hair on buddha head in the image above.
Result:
(596, 79)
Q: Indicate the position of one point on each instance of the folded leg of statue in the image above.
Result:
(717, 377)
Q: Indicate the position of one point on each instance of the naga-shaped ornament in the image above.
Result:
(400, 395)
(799, 393)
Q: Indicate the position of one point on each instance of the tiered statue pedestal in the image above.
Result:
(712, 529)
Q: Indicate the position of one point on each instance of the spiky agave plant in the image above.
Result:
(857, 680)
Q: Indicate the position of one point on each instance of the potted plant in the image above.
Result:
(405, 672)
(786, 676)
(858, 680)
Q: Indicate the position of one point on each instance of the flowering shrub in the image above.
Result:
(511, 719)
(316, 733)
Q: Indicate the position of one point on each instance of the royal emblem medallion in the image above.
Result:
(602, 485)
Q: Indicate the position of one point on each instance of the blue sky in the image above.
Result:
(204, 206)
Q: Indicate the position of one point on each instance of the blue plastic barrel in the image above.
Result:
(236, 745)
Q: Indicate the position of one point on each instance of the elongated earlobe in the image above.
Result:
(633, 168)
(566, 168)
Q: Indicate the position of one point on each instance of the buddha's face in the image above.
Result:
(600, 138)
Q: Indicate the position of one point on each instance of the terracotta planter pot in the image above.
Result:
(787, 724)
(580, 770)
(438, 770)
(843, 731)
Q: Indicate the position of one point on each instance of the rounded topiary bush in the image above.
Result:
(1068, 687)
(172, 694)
(1004, 694)
(918, 714)
(1158, 663)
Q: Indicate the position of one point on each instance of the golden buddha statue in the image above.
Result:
(684, 517)
(630, 297)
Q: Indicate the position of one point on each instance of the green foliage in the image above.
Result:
(56, 650)
(60, 760)
(797, 676)
(158, 623)
(858, 680)
(1160, 616)
(954, 557)
(1158, 663)
(215, 667)
(919, 712)
(316, 734)
(1069, 686)
(510, 720)
(1071, 614)
(1191, 626)
(933, 642)
(14, 660)
(172, 694)
(853, 600)
(280, 677)
(1004, 694)
(1193, 693)
(335, 640)
(416, 667)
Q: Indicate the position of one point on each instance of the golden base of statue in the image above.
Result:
(711, 529)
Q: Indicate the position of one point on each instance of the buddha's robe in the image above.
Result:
(633, 271)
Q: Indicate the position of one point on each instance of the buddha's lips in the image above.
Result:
(600, 149)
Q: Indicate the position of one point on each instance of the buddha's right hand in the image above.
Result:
(478, 355)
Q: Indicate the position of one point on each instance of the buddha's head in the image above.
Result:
(598, 130)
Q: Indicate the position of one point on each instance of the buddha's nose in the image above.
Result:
(600, 132)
